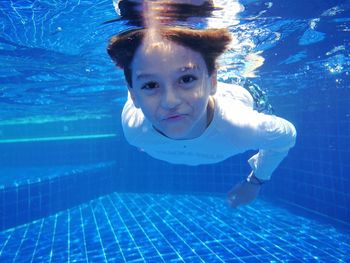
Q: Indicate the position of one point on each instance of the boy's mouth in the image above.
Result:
(174, 117)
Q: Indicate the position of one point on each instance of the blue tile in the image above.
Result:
(138, 227)
(10, 195)
(23, 193)
(35, 189)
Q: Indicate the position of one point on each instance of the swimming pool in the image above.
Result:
(72, 190)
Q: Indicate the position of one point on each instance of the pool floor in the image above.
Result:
(130, 227)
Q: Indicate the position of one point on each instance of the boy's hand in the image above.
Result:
(243, 193)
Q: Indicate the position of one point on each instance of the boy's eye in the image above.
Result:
(150, 85)
(187, 79)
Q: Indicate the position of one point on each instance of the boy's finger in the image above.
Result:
(233, 201)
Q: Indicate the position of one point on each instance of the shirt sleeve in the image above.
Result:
(132, 122)
(275, 136)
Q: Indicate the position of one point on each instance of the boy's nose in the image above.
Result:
(170, 99)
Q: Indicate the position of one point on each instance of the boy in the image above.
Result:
(178, 112)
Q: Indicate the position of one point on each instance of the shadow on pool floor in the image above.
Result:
(130, 227)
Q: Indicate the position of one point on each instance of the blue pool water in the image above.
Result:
(72, 189)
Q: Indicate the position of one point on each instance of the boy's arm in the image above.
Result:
(275, 137)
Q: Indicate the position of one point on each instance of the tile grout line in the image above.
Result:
(189, 231)
(193, 204)
(146, 235)
(83, 230)
(262, 238)
(126, 227)
(114, 234)
(37, 240)
(20, 245)
(173, 230)
(154, 226)
(7, 240)
(68, 233)
(176, 251)
(53, 237)
(283, 230)
(97, 228)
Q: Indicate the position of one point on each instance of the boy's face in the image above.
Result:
(172, 87)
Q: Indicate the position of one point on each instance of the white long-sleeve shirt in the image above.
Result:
(236, 127)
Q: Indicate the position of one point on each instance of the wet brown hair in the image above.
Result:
(129, 11)
(210, 43)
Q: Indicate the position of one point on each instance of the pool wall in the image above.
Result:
(27, 197)
(315, 174)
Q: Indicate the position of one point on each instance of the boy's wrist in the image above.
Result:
(252, 179)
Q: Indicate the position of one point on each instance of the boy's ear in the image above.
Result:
(132, 96)
(213, 82)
